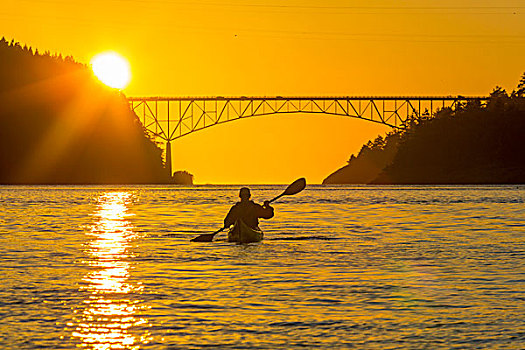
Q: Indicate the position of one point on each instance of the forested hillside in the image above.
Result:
(59, 124)
(471, 144)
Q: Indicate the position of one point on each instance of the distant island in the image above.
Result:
(472, 144)
(182, 177)
(60, 125)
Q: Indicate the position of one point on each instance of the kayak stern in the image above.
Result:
(242, 233)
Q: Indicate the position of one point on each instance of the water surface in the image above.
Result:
(365, 267)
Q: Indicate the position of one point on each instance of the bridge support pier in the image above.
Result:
(168, 158)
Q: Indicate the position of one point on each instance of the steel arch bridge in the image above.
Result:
(170, 118)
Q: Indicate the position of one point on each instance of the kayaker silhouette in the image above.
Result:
(245, 215)
(248, 211)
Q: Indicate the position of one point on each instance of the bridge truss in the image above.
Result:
(169, 118)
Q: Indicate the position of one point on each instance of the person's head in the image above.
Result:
(244, 193)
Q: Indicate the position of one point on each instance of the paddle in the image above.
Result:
(294, 188)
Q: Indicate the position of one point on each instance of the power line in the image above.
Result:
(291, 6)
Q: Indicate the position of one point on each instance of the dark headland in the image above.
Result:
(473, 144)
(60, 125)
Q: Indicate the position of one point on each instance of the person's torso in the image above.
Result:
(249, 213)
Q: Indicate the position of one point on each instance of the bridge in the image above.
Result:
(170, 118)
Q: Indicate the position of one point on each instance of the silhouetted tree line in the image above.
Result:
(472, 143)
(373, 157)
(58, 124)
(182, 177)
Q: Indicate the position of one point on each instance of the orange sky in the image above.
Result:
(277, 48)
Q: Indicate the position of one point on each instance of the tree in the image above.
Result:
(498, 99)
(521, 87)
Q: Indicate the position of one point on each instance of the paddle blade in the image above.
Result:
(295, 187)
(208, 237)
(203, 238)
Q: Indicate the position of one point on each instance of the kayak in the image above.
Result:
(242, 233)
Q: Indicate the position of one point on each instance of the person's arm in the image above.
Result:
(266, 210)
(231, 217)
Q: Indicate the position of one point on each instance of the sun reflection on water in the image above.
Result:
(110, 317)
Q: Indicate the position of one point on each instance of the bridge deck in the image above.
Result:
(298, 98)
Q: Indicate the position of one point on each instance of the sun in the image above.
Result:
(112, 69)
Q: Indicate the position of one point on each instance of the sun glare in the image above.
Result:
(112, 69)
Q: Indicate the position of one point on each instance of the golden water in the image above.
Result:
(340, 267)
